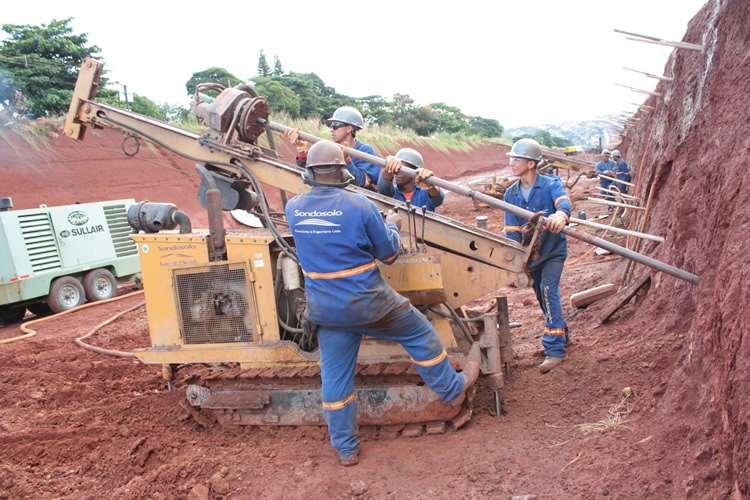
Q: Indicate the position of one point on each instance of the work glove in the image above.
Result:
(556, 222)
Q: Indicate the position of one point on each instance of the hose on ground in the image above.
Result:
(101, 350)
(29, 332)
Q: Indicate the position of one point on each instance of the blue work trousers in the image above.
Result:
(547, 288)
(338, 360)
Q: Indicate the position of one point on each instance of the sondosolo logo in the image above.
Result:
(318, 213)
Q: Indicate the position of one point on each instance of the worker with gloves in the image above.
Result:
(345, 123)
(408, 188)
(622, 171)
(339, 236)
(544, 195)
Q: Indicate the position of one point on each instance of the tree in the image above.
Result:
(263, 68)
(280, 97)
(277, 69)
(174, 112)
(42, 62)
(485, 127)
(310, 104)
(375, 109)
(145, 106)
(450, 119)
(402, 106)
(544, 138)
(424, 121)
(213, 74)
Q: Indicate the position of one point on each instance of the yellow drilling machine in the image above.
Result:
(224, 307)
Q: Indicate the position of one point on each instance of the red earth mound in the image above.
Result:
(63, 171)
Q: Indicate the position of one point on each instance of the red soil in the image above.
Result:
(693, 152)
(77, 424)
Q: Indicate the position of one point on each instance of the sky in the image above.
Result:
(526, 62)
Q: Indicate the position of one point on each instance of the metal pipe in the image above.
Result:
(515, 210)
(181, 219)
(412, 236)
(602, 176)
(618, 230)
(619, 193)
(613, 203)
(216, 230)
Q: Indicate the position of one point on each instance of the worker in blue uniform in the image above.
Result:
(545, 194)
(622, 171)
(339, 236)
(407, 188)
(605, 167)
(345, 122)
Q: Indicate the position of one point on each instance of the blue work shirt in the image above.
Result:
(339, 235)
(602, 168)
(623, 171)
(362, 169)
(419, 197)
(547, 195)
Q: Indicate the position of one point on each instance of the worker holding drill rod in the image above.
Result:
(543, 195)
(339, 236)
(407, 188)
(345, 123)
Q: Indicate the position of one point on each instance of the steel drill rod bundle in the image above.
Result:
(515, 210)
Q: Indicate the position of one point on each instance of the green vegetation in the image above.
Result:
(305, 95)
(388, 137)
(214, 74)
(545, 138)
(36, 133)
(39, 65)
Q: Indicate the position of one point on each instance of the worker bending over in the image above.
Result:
(339, 236)
(546, 194)
(408, 188)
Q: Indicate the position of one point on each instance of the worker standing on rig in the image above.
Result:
(546, 194)
(407, 188)
(339, 236)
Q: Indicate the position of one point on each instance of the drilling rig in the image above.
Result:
(224, 307)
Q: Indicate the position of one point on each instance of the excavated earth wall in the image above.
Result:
(692, 152)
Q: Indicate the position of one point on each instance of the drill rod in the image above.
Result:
(515, 210)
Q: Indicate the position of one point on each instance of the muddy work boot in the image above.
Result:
(470, 373)
(350, 459)
(549, 363)
(470, 370)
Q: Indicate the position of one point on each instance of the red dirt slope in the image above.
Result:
(693, 151)
(64, 171)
